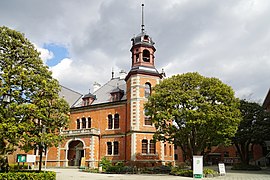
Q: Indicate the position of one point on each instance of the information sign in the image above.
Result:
(21, 158)
(221, 168)
(198, 167)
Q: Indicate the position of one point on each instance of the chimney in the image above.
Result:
(122, 74)
(96, 86)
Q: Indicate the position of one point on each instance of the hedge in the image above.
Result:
(45, 175)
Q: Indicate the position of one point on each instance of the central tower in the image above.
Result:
(140, 80)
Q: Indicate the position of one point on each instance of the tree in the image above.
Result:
(31, 111)
(193, 112)
(253, 129)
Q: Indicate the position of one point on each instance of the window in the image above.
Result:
(152, 147)
(113, 121)
(147, 90)
(116, 121)
(147, 119)
(146, 55)
(144, 146)
(89, 122)
(83, 123)
(165, 150)
(170, 150)
(110, 122)
(115, 148)
(78, 124)
(175, 156)
(109, 148)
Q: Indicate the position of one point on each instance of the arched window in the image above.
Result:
(89, 122)
(83, 123)
(78, 124)
(147, 90)
(144, 146)
(165, 150)
(116, 121)
(146, 55)
(110, 121)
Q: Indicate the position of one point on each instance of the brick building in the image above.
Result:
(111, 121)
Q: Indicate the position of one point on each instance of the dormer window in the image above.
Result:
(88, 99)
(117, 94)
(146, 38)
(146, 55)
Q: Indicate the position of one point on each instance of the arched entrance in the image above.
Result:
(75, 153)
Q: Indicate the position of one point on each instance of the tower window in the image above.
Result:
(152, 147)
(144, 146)
(147, 119)
(147, 90)
(146, 55)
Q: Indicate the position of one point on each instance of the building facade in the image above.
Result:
(111, 121)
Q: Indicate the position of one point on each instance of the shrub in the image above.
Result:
(246, 167)
(30, 175)
(105, 163)
(15, 167)
(210, 173)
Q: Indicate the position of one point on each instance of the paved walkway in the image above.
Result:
(75, 174)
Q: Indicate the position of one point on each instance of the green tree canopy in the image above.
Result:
(193, 112)
(253, 129)
(31, 111)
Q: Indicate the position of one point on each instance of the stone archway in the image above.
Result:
(75, 152)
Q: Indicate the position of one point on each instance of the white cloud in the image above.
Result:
(225, 39)
(45, 54)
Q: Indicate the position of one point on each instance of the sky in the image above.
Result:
(83, 40)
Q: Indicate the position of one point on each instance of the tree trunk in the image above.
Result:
(40, 157)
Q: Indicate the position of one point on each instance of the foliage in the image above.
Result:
(105, 163)
(46, 175)
(193, 112)
(31, 111)
(189, 173)
(158, 170)
(246, 167)
(253, 129)
(15, 167)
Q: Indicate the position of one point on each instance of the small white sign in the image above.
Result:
(198, 167)
(30, 158)
(221, 168)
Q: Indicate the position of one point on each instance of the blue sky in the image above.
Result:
(59, 52)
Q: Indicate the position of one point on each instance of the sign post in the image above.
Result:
(221, 168)
(198, 167)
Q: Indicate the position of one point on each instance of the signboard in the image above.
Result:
(21, 158)
(221, 168)
(30, 158)
(198, 167)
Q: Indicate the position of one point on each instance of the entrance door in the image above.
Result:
(75, 153)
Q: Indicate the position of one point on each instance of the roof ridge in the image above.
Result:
(71, 90)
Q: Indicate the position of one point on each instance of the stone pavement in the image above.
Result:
(75, 174)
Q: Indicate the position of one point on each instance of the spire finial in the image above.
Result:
(142, 18)
(112, 73)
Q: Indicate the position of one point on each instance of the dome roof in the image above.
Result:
(142, 39)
